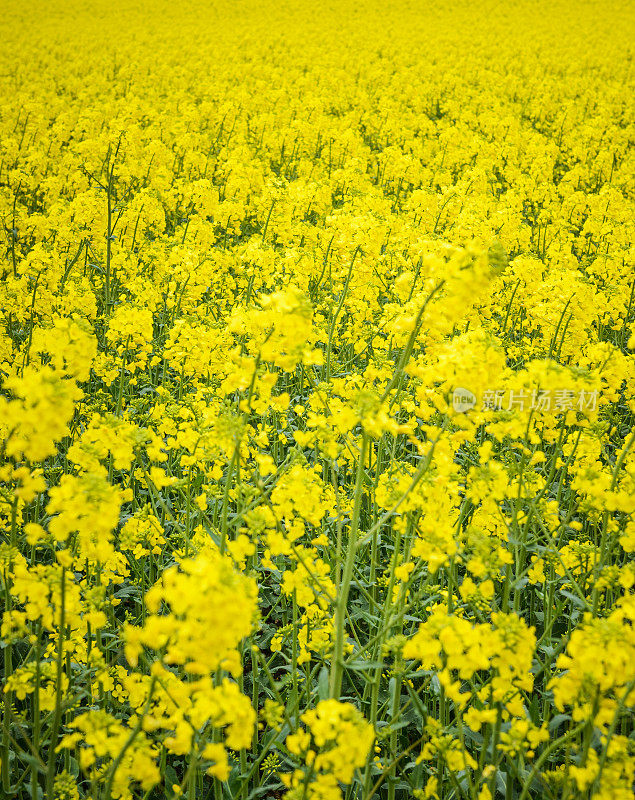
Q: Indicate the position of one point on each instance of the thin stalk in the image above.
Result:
(337, 664)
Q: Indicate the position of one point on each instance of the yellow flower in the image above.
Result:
(197, 633)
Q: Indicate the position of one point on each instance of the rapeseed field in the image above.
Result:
(317, 400)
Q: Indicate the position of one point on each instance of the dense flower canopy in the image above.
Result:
(317, 397)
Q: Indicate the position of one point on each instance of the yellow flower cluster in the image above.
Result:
(103, 741)
(317, 400)
(198, 632)
(337, 742)
(598, 669)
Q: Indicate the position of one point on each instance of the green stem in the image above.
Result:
(337, 665)
(57, 716)
(545, 755)
(129, 741)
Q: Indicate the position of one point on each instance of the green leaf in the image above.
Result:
(323, 684)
